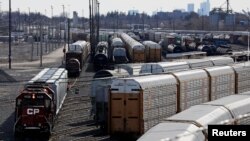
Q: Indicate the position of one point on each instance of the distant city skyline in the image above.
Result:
(147, 6)
(190, 7)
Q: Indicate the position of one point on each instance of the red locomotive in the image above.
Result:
(40, 101)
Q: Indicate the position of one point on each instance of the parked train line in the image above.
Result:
(143, 94)
(191, 125)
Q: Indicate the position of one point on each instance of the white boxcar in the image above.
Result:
(164, 67)
(222, 61)
(139, 103)
(222, 81)
(133, 69)
(199, 63)
(152, 51)
(119, 56)
(77, 46)
(135, 49)
(193, 88)
(115, 43)
(57, 80)
(173, 131)
(238, 105)
(242, 77)
(100, 90)
(203, 115)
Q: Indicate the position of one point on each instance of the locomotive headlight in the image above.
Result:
(33, 96)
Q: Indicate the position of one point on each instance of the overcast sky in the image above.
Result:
(81, 6)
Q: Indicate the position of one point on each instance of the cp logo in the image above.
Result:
(32, 111)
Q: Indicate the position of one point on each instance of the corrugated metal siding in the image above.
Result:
(194, 88)
(222, 81)
(203, 115)
(158, 103)
(170, 130)
(243, 78)
(237, 104)
(221, 61)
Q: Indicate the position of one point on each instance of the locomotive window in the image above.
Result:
(31, 102)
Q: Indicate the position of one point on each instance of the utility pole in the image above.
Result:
(83, 20)
(9, 34)
(202, 20)
(157, 22)
(98, 21)
(117, 20)
(68, 31)
(248, 46)
(32, 40)
(41, 45)
(64, 48)
(90, 28)
(29, 21)
(143, 22)
(227, 6)
(47, 33)
(0, 8)
(19, 20)
(52, 29)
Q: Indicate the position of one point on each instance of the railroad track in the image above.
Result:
(84, 127)
(74, 121)
(5, 102)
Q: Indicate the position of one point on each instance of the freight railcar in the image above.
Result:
(199, 63)
(100, 91)
(101, 55)
(76, 56)
(163, 67)
(40, 101)
(146, 94)
(153, 51)
(172, 48)
(206, 48)
(117, 51)
(133, 102)
(135, 50)
(192, 124)
(192, 87)
(131, 68)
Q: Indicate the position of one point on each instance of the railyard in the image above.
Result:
(75, 119)
(119, 76)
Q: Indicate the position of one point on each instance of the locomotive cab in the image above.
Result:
(34, 110)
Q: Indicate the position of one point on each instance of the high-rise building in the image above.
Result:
(133, 12)
(204, 8)
(75, 18)
(190, 7)
(207, 8)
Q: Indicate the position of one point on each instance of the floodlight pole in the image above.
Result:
(9, 34)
